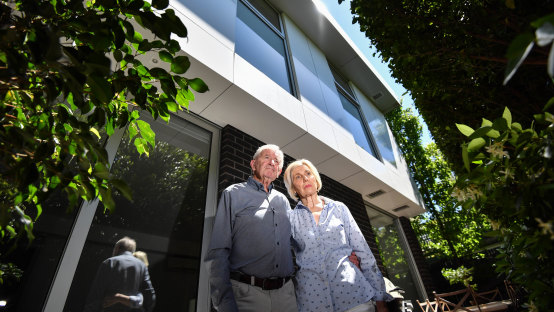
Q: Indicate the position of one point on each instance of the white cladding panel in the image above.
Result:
(244, 97)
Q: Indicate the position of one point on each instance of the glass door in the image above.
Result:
(166, 216)
(393, 253)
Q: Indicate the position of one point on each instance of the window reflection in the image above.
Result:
(37, 259)
(353, 122)
(165, 217)
(262, 46)
(391, 252)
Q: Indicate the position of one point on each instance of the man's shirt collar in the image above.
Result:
(258, 185)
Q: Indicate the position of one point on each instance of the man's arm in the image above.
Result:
(218, 257)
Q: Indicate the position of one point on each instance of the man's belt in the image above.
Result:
(269, 283)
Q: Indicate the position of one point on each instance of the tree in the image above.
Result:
(510, 177)
(70, 75)
(451, 56)
(443, 231)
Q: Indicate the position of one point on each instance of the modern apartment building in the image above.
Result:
(279, 72)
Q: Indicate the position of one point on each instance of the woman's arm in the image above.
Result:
(368, 263)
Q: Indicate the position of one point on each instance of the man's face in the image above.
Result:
(266, 166)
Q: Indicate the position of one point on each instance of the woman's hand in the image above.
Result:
(117, 298)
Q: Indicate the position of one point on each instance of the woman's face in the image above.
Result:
(303, 181)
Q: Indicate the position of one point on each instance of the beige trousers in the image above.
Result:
(253, 299)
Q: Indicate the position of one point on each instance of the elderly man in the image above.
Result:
(122, 282)
(250, 253)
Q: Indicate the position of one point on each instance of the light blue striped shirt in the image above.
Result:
(326, 279)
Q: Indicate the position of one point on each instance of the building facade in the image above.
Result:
(279, 72)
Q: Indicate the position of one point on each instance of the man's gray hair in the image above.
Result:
(275, 149)
(123, 245)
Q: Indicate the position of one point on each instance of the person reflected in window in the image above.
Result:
(324, 234)
(123, 278)
(130, 301)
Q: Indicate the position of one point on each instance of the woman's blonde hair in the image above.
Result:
(141, 255)
(288, 176)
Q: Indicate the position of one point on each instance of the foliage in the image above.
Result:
(510, 178)
(391, 253)
(9, 272)
(72, 72)
(461, 275)
(443, 231)
(451, 56)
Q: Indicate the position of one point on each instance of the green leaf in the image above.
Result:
(107, 199)
(500, 124)
(160, 4)
(480, 132)
(123, 188)
(101, 89)
(465, 157)
(180, 64)
(518, 50)
(517, 126)
(101, 171)
(165, 56)
(93, 130)
(465, 130)
(508, 116)
(548, 104)
(182, 98)
(146, 132)
(493, 134)
(198, 85)
(476, 144)
(172, 106)
(486, 122)
(141, 146)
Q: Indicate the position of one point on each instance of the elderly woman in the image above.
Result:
(323, 236)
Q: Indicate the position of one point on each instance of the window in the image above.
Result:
(393, 251)
(166, 216)
(261, 41)
(353, 120)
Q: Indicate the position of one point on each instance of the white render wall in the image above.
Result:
(244, 97)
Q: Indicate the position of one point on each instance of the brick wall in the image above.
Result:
(237, 149)
(415, 248)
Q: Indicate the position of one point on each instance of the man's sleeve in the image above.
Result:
(148, 293)
(96, 292)
(367, 260)
(218, 257)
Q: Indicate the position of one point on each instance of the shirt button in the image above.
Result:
(277, 243)
(276, 265)
(275, 224)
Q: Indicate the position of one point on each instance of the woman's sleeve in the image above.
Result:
(367, 260)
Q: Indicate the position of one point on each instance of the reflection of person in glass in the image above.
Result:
(324, 234)
(130, 301)
(122, 282)
(251, 259)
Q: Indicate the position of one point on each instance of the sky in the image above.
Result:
(341, 13)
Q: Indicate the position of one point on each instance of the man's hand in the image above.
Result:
(354, 259)
(381, 306)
